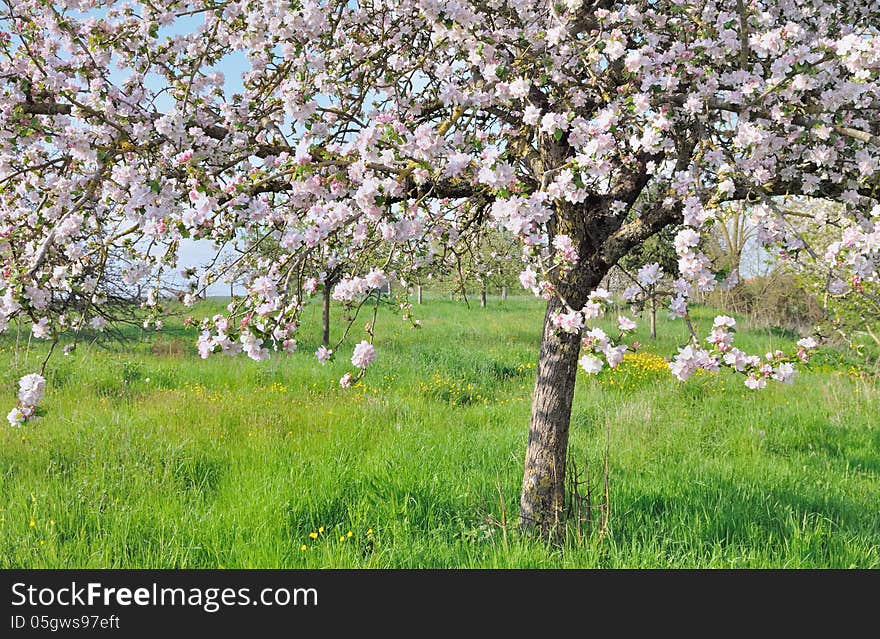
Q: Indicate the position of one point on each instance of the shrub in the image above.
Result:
(774, 300)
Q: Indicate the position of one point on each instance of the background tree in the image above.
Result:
(649, 290)
(729, 239)
(581, 127)
(492, 261)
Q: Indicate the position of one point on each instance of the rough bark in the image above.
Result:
(418, 294)
(542, 500)
(543, 491)
(483, 297)
(653, 317)
(503, 293)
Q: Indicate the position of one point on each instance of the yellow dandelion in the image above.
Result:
(303, 548)
(341, 537)
(33, 523)
(321, 529)
(349, 534)
(313, 535)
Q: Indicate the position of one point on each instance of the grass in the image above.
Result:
(147, 456)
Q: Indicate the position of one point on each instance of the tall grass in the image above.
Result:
(147, 456)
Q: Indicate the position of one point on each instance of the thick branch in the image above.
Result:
(638, 230)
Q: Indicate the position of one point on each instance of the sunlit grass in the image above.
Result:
(147, 456)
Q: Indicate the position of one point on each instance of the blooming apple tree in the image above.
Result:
(582, 127)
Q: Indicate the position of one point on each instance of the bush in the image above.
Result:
(774, 300)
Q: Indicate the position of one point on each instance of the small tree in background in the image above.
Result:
(651, 268)
(651, 287)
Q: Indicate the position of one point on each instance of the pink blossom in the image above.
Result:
(630, 293)
(16, 417)
(591, 364)
(31, 388)
(528, 278)
(323, 354)
(310, 286)
(376, 279)
(755, 381)
(565, 249)
(364, 355)
(596, 339)
(784, 373)
(531, 115)
(571, 322)
(41, 329)
(678, 306)
(614, 354)
(600, 295)
(649, 274)
(807, 343)
(591, 310)
(205, 345)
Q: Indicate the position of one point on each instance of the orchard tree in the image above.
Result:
(582, 127)
(729, 241)
(651, 287)
(496, 262)
(491, 260)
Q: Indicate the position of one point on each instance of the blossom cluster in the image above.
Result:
(775, 365)
(30, 392)
(646, 287)
(351, 289)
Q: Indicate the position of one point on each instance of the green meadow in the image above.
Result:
(144, 455)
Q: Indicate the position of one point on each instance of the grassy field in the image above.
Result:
(147, 456)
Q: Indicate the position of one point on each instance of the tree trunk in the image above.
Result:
(543, 491)
(418, 294)
(653, 317)
(325, 337)
(483, 297)
(591, 226)
(503, 293)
